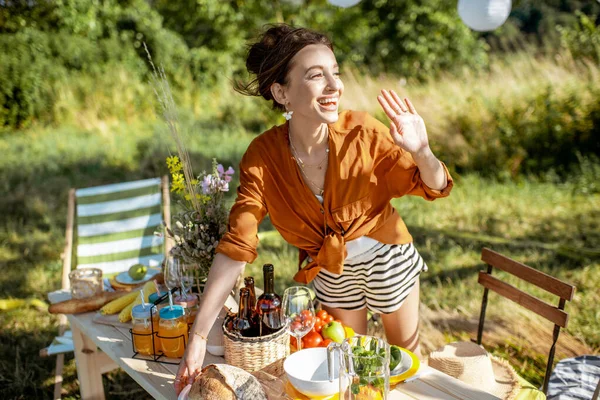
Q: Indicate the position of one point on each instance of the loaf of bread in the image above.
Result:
(226, 382)
(76, 306)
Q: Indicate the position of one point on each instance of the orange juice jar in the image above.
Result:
(143, 318)
(173, 331)
(190, 304)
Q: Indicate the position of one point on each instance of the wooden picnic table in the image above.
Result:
(100, 348)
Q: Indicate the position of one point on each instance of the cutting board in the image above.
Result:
(273, 384)
(110, 320)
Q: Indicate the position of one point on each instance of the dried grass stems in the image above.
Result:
(162, 89)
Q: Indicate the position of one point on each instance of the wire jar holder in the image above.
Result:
(156, 356)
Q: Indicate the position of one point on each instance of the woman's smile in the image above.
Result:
(328, 103)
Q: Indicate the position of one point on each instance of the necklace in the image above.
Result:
(299, 160)
(321, 190)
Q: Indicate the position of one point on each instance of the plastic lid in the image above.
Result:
(141, 310)
(154, 296)
(171, 312)
(188, 301)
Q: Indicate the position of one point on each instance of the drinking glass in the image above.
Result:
(299, 312)
(364, 367)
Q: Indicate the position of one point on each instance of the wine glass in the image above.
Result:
(186, 277)
(299, 312)
(172, 273)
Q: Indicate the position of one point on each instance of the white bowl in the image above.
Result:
(307, 372)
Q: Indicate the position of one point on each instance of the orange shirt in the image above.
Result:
(366, 169)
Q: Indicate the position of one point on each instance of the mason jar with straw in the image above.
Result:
(172, 329)
(144, 318)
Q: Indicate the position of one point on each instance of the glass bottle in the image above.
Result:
(244, 322)
(143, 318)
(173, 331)
(268, 305)
(249, 283)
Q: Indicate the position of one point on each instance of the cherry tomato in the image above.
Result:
(325, 343)
(318, 326)
(318, 320)
(322, 314)
(328, 319)
(312, 339)
(295, 326)
(306, 313)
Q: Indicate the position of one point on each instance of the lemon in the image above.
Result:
(137, 271)
(349, 332)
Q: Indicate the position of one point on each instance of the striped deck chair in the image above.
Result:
(114, 230)
(116, 224)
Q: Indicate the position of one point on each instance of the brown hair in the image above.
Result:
(269, 58)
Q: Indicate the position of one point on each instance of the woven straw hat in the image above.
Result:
(471, 364)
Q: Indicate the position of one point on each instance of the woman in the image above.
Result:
(326, 180)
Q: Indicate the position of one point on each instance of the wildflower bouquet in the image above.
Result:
(203, 218)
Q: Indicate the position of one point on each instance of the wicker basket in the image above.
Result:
(254, 353)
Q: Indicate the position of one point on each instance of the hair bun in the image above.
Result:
(259, 52)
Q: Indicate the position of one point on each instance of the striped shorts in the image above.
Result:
(379, 279)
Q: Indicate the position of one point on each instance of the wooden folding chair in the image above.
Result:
(555, 314)
(114, 229)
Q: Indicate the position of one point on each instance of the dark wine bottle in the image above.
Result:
(249, 283)
(268, 305)
(245, 323)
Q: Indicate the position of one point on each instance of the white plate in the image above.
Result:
(124, 277)
(404, 365)
(185, 392)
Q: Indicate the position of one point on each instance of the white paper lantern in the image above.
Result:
(344, 3)
(484, 15)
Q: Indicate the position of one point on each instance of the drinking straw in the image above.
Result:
(143, 299)
(170, 300)
(156, 287)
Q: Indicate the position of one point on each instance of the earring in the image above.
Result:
(287, 114)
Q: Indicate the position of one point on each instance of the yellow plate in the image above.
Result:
(291, 391)
(412, 369)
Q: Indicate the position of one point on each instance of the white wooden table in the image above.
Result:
(157, 378)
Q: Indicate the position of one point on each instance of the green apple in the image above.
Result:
(334, 331)
(137, 271)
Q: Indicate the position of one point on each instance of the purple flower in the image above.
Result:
(207, 184)
(224, 186)
(220, 170)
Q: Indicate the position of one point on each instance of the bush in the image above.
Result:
(582, 39)
(533, 134)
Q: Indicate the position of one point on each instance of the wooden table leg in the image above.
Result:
(88, 368)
